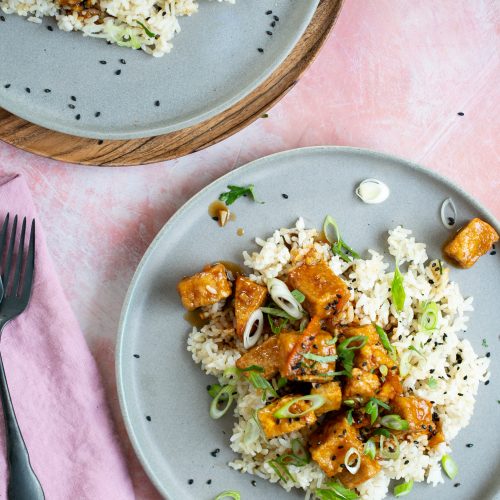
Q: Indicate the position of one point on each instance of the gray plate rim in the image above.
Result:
(192, 201)
(180, 125)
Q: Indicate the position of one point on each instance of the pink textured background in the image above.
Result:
(392, 77)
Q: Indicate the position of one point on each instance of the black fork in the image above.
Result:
(23, 483)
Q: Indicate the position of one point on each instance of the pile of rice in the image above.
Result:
(445, 357)
(146, 24)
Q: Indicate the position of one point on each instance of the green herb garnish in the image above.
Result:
(346, 352)
(235, 495)
(449, 466)
(146, 30)
(385, 342)
(339, 247)
(214, 389)
(432, 383)
(370, 449)
(394, 422)
(334, 490)
(485, 344)
(298, 296)
(236, 192)
(403, 489)
(397, 290)
(350, 420)
(430, 315)
(281, 469)
(319, 359)
(413, 348)
(259, 382)
(371, 408)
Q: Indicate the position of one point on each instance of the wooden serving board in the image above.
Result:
(71, 149)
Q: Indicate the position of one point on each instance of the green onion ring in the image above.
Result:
(394, 422)
(403, 489)
(344, 346)
(284, 411)
(449, 466)
(384, 453)
(235, 495)
(430, 315)
(228, 391)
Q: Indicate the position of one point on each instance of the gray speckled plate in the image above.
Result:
(166, 385)
(214, 63)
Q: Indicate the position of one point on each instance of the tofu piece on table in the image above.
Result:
(248, 297)
(265, 355)
(325, 293)
(274, 427)
(470, 243)
(204, 288)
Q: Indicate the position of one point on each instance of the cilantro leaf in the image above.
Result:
(235, 192)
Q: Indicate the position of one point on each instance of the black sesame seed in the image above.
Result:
(215, 218)
(488, 354)
(190, 481)
(465, 377)
(460, 394)
(407, 462)
(456, 485)
(118, 72)
(73, 98)
(123, 61)
(77, 117)
(268, 12)
(260, 49)
(493, 252)
(27, 89)
(97, 114)
(276, 18)
(469, 445)
(215, 452)
(270, 33)
(487, 382)
(254, 482)
(100, 141)
(71, 106)
(284, 195)
(432, 370)
(209, 481)
(6, 86)
(273, 24)
(157, 103)
(50, 28)
(47, 91)
(460, 113)
(431, 282)
(451, 221)
(2, 18)
(103, 62)
(136, 356)
(148, 418)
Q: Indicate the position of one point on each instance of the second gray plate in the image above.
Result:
(214, 64)
(157, 377)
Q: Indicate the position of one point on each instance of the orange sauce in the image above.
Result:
(240, 231)
(236, 269)
(194, 319)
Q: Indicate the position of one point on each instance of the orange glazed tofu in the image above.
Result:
(362, 385)
(205, 288)
(472, 241)
(416, 411)
(299, 366)
(330, 443)
(248, 297)
(274, 427)
(373, 354)
(265, 355)
(325, 293)
(367, 470)
(332, 394)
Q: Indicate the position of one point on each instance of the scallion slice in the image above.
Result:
(430, 315)
(284, 299)
(235, 495)
(370, 449)
(319, 359)
(352, 452)
(298, 295)
(385, 342)
(346, 344)
(300, 453)
(403, 489)
(339, 247)
(397, 290)
(394, 422)
(449, 466)
(334, 490)
(251, 432)
(385, 453)
(316, 401)
(253, 329)
(226, 396)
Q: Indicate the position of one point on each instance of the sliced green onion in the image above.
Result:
(334, 490)
(385, 342)
(371, 408)
(332, 341)
(397, 290)
(253, 329)
(382, 432)
(259, 382)
(331, 374)
(146, 30)
(233, 371)
(339, 247)
(276, 328)
(370, 449)
(298, 296)
(349, 402)
(345, 345)
(385, 453)
(347, 460)
(214, 389)
(432, 383)
(403, 489)
(228, 392)
(251, 368)
(430, 315)
(383, 370)
(394, 422)
(319, 359)
(281, 470)
(273, 311)
(299, 451)
(251, 432)
(413, 348)
(316, 401)
(449, 466)
(284, 299)
(349, 418)
(282, 381)
(404, 364)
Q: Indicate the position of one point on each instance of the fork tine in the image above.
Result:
(3, 236)
(19, 263)
(30, 266)
(10, 251)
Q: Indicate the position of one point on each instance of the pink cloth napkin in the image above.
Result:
(55, 387)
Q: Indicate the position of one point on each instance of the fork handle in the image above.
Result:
(23, 483)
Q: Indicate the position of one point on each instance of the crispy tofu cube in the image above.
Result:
(367, 470)
(390, 388)
(325, 293)
(248, 297)
(373, 354)
(362, 385)
(205, 288)
(417, 412)
(274, 427)
(332, 394)
(329, 444)
(294, 349)
(265, 355)
(472, 241)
